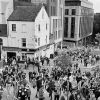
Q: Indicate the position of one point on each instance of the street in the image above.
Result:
(9, 95)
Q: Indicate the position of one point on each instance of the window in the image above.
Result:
(39, 27)
(13, 27)
(56, 22)
(46, 38)
(66, 11)
(66, 27)
(23, 42)
(38, 41)
(23, 28)
(72, 27)
(51, 10)
(56, 35)
(73, 11)
(46, 26)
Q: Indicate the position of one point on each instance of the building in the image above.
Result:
(6, 8)
(39, 1)
(28, 31)
(3, 38)
(23, 0)
(96, 25)
(55, 9)
(78, 22)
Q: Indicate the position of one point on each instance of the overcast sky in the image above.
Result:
(96, 5)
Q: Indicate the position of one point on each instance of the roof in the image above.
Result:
(22, 3)
(3, 30)
(25, 13)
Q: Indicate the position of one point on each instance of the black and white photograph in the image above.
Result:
(49, 49)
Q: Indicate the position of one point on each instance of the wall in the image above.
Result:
(14, 37)
(77, 19)
(42, 19)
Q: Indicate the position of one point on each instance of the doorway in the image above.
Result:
(11, 55)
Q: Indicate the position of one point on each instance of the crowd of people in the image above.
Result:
(60, 84)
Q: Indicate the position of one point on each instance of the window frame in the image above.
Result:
(67, 11)
(73, 11)
(38, 41)
(39, 28)
(14, 27)
(23, 42)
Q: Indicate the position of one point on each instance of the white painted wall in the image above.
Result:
(15, 37)
(42, 19)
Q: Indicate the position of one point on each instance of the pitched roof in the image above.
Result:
(25, 13)
(22, 3)
(3, 30)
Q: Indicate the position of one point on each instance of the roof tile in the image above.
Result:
(25, 13)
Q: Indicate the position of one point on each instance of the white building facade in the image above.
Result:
(78, 22)
(26, 35)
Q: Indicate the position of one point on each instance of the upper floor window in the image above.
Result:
(13, 27)
(23, 28)
(72, 27)
(46, 38)
(66, 11)
(46, 26)
(56, 22)
(38, 41)
(39, 27)
(23, 42)
(73, 11)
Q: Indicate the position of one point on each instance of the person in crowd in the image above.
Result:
(73, 95)
(39, 84)
(57, 91)
(41, 93)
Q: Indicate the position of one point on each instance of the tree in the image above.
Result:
(98, 37)
(63, 61)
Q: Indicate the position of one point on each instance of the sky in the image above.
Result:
(96, 5)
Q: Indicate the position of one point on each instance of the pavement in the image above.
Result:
(9, 95)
